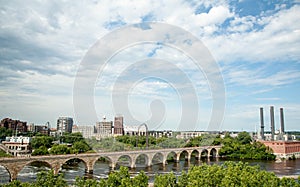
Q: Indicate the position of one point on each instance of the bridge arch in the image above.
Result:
(184, 154)
(124, 160)
(40, 165)
(68, 162)
(195, 153)
(213, 153)
(144, 158)
(102, 164)
(171, 156)
(158, 158)
(9, 177)
(39, 161)
(103, 158)
(204, 153)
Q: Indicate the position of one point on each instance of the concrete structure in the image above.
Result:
(43, 129)
(190, 134)
(87, 131)
(118, 126)
(104, 129)
(284, 149)
(272, 122)
(133, 130)
(281, 121)
(64, 124)
(262, 126)
(18, 146)
(53, 132)
(158, 134)
(278, 136)
(155, 156)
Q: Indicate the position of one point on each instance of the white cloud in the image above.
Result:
(42, 44)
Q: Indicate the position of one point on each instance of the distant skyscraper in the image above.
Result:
(118, 126)
(64, 124)
(104, 128)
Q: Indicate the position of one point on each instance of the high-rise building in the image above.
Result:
(64, 124)
(118, 126)
(104, 127)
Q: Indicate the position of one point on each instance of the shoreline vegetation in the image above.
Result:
(228, 174)
(241, 147)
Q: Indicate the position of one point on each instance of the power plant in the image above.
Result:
(283, 145)
(272, 125)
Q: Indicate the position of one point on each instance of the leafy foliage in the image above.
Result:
(4, 154)
(242, 147)
(60, 149)
(44, 179)
(71, 137)
(41, 144)
(80, 147)
(40, 151)
(120, 178)
(228, 174)
(167, 180)
(206, 139)
(5, 132)
(39, 141)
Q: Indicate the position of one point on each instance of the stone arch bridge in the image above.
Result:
(153, 156)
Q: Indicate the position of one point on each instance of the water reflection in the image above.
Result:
(102, 168)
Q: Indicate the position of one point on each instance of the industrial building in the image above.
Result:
(283, 145)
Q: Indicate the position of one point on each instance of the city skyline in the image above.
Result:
(255, 43)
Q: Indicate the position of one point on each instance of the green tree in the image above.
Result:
(40, 151)
(80, 147)
(5, 132)
(48, 178)
(71, 137)
(244, 137)
(166, 180)
(60, 149)
(140, 180)
(39, 141)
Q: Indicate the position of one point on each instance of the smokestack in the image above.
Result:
(281, 121)
(262, 132)
(272, 122)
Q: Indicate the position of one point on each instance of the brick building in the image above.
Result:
(15, 125)
(284, 149)
(118, 126)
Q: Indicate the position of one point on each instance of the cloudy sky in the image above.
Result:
(255, 44)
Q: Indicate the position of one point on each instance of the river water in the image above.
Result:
(101, 169)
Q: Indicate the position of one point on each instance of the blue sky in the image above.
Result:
(255, 43)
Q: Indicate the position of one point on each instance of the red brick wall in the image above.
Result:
(283, 146)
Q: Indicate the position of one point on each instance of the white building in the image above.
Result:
(18, 146)
(133, 130)
(87, 131)
(190, 134)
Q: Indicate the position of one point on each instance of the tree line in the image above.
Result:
(66, 144)
(240, 147)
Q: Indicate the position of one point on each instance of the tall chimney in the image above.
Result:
(281, 121)
(262, 132)
(272, 122)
